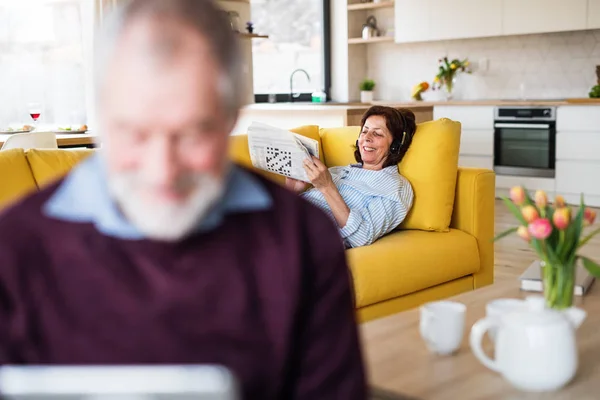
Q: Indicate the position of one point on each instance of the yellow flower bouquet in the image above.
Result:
(556, 235)
(447, 72)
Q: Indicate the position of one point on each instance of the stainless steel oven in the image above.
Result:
(525, 141)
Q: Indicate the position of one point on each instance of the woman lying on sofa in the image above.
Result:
(369, 199)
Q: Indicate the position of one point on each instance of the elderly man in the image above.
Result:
(158, 250)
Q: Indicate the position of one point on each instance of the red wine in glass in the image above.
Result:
(35, 110)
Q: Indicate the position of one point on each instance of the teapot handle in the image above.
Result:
(477, 332)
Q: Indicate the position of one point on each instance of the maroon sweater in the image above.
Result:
(266, 294)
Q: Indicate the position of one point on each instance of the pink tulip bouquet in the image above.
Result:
(556, 235)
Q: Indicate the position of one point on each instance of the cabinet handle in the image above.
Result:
(532, 126)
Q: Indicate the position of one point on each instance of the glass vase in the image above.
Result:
(448, 88)
(559, 284)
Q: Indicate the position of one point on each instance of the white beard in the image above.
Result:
(163, 221)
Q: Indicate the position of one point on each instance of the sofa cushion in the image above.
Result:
(404, 262)
(239, 151)
(430, 165)
(17, 179)
(50, 165)
(338, 145)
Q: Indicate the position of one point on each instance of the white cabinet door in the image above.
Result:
(476, 162)
(578, 146)
(465, 19)
(593, 21)
(470, 117)
(578, 177)
(578, 119)
(477, 142)
(538, 16)
(412, 20)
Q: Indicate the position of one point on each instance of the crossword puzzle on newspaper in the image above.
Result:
(279, 161)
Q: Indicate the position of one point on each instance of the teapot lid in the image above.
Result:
(535, 313)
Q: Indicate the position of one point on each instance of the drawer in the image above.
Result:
(476, 162)
(578, 146)
(477, 142)
(578, 118)
(471, 117)
(578, 177)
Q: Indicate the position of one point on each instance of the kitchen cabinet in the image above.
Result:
(477, 133)
(577, 153)
(470, 117)
(576, 177)
(578, 119)
(465, 19)
(476, 162)
(429, 20)
(412, 20)
(539, 16)
(578, 146)
(593, 20)
(477, 142)
(425, 20)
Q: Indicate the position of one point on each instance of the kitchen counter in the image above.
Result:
(325, 115)
(496, 102)
(304, 106)
(333, 114)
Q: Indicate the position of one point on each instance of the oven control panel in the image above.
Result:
(525, 113)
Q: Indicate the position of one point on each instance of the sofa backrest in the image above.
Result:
(431, 165)
(16, 179)
(49, 165)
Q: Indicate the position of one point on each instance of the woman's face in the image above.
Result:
(374, 142)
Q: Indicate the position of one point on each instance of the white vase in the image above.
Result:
(366, 96)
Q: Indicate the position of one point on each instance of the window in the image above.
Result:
(45, 57)
(298, 39)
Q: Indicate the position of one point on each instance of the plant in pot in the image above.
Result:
(556, 234)
(366, 90)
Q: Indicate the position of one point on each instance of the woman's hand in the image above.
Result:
(318, 173)
(295, 185)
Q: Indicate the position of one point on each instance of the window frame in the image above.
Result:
(305, 97)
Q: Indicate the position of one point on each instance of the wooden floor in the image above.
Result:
(513, 255)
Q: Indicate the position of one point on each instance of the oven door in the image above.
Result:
(525, 149)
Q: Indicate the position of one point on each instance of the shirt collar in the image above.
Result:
(83, 196)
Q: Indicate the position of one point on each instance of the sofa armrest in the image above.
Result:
(474, 214)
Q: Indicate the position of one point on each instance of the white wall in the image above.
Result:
(554, 65)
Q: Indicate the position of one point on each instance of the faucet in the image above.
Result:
(292, 95)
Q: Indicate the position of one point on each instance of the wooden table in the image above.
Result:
(66, 139)
(397, 359)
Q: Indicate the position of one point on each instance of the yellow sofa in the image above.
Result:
(401, 270)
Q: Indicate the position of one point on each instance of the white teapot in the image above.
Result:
(535, 348)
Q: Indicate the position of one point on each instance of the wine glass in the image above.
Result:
(35, 111)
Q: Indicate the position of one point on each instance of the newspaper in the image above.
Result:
(280, 151)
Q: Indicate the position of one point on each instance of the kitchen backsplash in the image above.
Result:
(544, 66)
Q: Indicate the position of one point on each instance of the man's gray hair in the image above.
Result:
(204, 16)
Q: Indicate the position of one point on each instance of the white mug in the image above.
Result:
(442, 326)
(496, 308)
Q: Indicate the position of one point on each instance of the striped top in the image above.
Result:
(378, 201)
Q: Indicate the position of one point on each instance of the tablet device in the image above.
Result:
(199, 382)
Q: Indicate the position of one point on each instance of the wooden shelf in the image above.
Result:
(253, 36)
(370, 6)
(379, 39)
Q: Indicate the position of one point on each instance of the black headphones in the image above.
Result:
(396, 144)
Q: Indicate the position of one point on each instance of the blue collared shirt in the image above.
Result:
(378, 201)
(84, 197)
